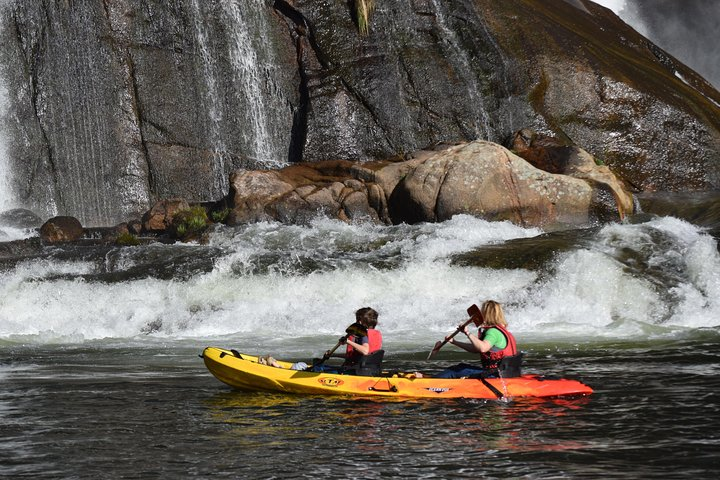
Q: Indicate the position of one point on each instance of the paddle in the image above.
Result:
(474, 312)
(356, 329)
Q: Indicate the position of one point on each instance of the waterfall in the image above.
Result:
(213, 100)
(5, 173)
(475, 96)
(251, 73)
(6, 197)
(247, 111)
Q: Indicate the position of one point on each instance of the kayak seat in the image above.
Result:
(511, 366)
(369, 365)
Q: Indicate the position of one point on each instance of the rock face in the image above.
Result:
(479, 178)
(115, 105)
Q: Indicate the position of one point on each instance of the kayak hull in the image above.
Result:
(243, 372)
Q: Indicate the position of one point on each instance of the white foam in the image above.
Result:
(278, 283)
(592, 293)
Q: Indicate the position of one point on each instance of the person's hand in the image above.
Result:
(342, 341)
(327, 353)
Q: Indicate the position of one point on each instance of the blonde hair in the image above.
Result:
(492, 314)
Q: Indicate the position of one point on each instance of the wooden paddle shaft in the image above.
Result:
(473, 311)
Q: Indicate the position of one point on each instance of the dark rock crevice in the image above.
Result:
(301, 34)
(138, 110)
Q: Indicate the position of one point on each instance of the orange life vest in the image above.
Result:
(491, 359)
(374, 340)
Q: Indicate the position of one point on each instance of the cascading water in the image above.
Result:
(251, 73)
(239, 90)
(213, 100)
(5, 173)
(483, 128)
(268, 282)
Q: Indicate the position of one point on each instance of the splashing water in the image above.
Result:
(268, 283)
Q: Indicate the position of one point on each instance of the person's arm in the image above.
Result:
(475, 346)
(363, 348)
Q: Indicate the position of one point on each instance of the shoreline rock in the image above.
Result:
(478, 178)
(541, 183)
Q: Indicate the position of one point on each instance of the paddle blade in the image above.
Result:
(435, 349)
(356, 329)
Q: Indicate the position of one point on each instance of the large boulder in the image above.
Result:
(489, 181)
(478, 178)
(550, 154)
(61, 229)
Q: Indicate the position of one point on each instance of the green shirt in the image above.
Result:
(495, 338)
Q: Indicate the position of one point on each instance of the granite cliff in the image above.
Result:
(115, 105)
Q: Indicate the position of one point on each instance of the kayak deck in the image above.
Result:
(243, 372)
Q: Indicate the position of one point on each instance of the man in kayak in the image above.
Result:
(493, 342)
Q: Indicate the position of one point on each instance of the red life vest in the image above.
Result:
(374, 340)
(491, 359)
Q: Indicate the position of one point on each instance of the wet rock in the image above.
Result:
(61, 229)
(20, 218)
(477, 178)
(173, 106)
(160, 216)
(18, 249)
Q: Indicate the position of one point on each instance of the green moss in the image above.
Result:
(126, 239)
(190, 222)
(219, 216)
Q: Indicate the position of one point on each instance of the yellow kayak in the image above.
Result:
(245, 372)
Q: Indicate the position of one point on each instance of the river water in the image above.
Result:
(101, 376)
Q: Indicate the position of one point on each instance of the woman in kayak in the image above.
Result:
(493, 342)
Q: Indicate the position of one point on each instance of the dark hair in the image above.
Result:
(367, 316)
